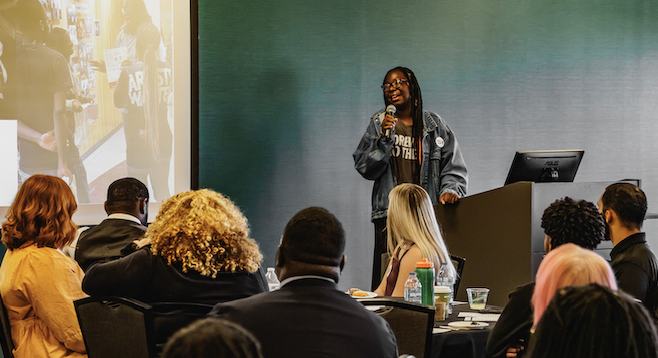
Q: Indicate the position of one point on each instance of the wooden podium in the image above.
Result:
(499, 233)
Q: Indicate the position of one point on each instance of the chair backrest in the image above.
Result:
(116, 327)
(169, 317)
(459, 263)
(5, 339)
(411, 323)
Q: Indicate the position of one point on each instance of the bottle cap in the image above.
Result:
(425, 264)
(270, 269)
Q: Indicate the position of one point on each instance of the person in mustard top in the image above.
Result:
(38, 282)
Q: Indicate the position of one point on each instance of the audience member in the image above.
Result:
(568, 265)
(38, 283)
(308, 316)
(200, 253)
(593, 321)
(127, 209)
(564, 221)
(623, 207)
(413, 234)
(212, 337)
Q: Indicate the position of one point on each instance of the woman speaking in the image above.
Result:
(405, 144)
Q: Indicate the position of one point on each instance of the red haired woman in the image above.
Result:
(38, 283)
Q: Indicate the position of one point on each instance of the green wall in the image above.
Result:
(287, 87)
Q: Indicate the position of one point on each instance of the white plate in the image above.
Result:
(370, 295)
(440, 330)
(374, 308)
(468, 325)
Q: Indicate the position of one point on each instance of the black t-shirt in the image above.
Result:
(42, 72)
(403, 154)
(636, 270)
(145, 142)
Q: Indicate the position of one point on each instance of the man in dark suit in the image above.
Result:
(308, 316)
(127, 209)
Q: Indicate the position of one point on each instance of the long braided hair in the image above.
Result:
(138, 15)
(147, 46)
(416, 115)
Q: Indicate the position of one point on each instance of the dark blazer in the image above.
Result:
(148, 278)
(310, 318)
(106, 240)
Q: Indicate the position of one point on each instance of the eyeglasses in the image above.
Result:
(395, 84)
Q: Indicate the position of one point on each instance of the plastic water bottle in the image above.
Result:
(272, 280)
(425, 274)
(413, 289)
(446, 277)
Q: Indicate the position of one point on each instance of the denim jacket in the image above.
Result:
(442, 164)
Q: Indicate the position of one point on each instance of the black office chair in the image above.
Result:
(169, 317)
(116, 327)
(5, 339)
(459, 263)
(411, 323)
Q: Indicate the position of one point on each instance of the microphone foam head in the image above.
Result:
(390, 109)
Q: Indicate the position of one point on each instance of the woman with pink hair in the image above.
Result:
(569, 265)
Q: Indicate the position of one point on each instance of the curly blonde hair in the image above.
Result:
(204, 232)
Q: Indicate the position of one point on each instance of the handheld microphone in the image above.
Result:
(390, 109)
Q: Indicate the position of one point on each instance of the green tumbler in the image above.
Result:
(425, 273)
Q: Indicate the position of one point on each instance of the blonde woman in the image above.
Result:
(199, 253)
(413, 234)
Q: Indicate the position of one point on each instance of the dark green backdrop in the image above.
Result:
(287, 87)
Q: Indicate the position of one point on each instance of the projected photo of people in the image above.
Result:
(92, 106)
(143, 90)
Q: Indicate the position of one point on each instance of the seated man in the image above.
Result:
(127, 209)
(308, 316)
(564, 221)
(623, 207)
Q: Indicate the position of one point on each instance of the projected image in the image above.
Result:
(96, 102)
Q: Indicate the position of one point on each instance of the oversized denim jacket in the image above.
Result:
(442, 164)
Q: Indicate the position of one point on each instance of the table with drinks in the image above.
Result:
(461, 329)
(462, 341)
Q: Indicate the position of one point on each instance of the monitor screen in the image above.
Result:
(545, 166)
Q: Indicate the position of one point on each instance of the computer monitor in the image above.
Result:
(542, 166)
